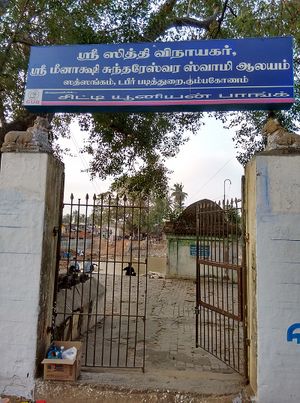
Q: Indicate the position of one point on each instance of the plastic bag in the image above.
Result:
(54, 352)
(69, 354)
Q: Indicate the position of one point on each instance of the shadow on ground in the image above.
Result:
(175, 370)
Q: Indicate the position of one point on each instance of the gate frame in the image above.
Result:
(69, 321)
(202, 306)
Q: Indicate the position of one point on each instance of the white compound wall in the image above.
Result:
(273, 227)
(25, 186)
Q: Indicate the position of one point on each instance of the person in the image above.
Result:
(74, 266)
(80, 252)
(129, 270)
(88, 266)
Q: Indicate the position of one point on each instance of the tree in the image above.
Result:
(178, 196)
(66, 219)
(133, 210)
(78, 218)
(159, 212)
(112, 211)
(135, 145)
(262, 18)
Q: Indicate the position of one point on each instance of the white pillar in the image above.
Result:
(30, 191)
(273, 255)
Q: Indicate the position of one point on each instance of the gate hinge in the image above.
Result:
(50, 329)
(197, 310)
(55, 231)
(248, 342)
(247, 237)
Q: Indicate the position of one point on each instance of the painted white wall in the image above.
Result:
(182, 264)
(22, 206)
(179, 261)
(278, 276)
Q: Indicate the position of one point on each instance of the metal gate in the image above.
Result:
(220, 282)
(97, 301)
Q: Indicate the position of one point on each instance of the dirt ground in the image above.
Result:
(175, 370)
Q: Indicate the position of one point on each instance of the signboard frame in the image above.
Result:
(227, 74)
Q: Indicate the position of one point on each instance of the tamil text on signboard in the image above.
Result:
(251, 73)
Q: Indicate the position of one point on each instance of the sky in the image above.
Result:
(206, 166)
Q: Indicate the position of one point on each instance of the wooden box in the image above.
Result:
(63, 370)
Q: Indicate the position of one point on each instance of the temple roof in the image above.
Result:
(212, 220)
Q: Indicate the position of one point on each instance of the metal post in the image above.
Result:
(224, 189)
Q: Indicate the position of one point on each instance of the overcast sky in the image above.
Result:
(202, 166)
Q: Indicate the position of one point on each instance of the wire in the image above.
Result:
(84, 163)
(212, 177)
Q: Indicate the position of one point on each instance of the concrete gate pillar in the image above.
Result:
(273, 258)
(31, 188)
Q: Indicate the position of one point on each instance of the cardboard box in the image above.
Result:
(63, 370)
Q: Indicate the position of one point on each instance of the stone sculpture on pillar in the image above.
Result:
(278, 138)
(33, 139)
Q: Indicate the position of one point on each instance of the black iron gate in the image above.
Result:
(220, 284)
(97, 301)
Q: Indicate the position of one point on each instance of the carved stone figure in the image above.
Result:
(278, 137)
(33, 139)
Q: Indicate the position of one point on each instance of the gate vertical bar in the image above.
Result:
(220, 282)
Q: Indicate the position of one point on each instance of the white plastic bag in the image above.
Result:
(69, 354)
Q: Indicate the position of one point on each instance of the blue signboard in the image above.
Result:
(232, 74)
(204, 251)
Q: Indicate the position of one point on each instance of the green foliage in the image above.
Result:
(233, 215)
(132, 148)
(159, 212)
(262, 18)
(114, 210)
(66, 219)
(178, 196)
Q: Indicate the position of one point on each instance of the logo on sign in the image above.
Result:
(33, 97)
